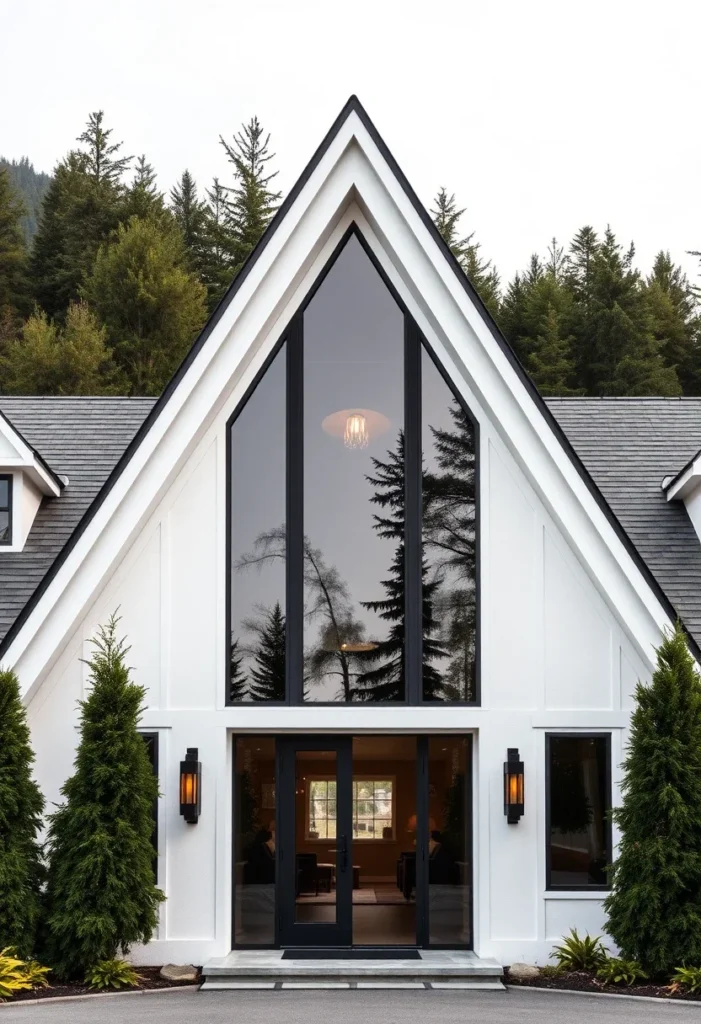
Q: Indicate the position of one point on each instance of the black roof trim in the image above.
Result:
(37, 455)
(682, 471)
(353, 105)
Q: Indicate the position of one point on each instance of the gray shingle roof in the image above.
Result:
(627, 444)
(81, 438)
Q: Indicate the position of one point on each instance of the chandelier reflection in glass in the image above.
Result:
(356, 433)
(356, 427)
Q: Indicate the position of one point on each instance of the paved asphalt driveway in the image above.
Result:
(385, 1007)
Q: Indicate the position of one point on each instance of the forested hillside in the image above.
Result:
(110, 290)
(32, 186)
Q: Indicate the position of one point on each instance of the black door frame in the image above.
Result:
(291, 933)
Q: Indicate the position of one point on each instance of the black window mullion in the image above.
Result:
(413, 643)
(295, 513)
(6, 506)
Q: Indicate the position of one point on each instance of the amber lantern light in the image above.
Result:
(191, 787)
(513, 786)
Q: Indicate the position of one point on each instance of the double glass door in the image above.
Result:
(316, 841)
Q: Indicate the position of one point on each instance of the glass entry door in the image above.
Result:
(315, 841)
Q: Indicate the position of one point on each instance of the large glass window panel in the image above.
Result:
(258, 541)
(353, 486)
(449, 844)
(254, 841)
(579, 800)
(316, 784)
(449, 542)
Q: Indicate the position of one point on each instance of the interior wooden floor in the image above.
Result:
(373, 924)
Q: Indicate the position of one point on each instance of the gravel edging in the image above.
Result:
(14, 1003)
(691, 1003)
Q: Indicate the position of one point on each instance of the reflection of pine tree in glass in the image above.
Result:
(237, 677)
(386, 682)
(268, 676)
(449, 539)
(570, 809)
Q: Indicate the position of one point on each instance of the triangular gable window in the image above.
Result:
(352, 528)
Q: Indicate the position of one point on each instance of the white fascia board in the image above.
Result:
(352, 169)
(687, 483)
(26, 460)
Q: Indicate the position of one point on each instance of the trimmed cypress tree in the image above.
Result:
(101, 896)
(21, 807)
(268, 676)
(654, 907)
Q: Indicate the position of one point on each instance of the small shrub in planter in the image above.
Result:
(688, 978)
(616, 970)
(579, 954)
(115, 973)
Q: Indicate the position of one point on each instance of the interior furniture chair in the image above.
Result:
(307, 875)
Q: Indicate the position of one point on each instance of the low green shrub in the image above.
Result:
(579, 954)
(550, 971)
(112, 974)
(19, 975)
(616, 970)
(688, 978)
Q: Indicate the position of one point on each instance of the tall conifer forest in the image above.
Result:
(105, 280)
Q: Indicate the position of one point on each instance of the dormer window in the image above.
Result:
(5, 509)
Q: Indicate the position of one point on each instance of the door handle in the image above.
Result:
(343, 854)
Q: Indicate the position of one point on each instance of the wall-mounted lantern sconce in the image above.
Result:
(513, 786)
(190, 787)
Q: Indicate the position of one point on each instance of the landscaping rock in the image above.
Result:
(524, 972)
(179, 972)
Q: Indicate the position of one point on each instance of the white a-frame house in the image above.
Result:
(364, 574)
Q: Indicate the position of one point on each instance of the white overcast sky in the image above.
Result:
(542, 115)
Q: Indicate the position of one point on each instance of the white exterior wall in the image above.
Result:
(554, 657)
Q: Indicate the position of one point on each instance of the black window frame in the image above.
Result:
(153, 738)
(414, 340)
(8, 508)
(589, 735)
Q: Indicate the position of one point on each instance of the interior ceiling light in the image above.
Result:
(356, 427)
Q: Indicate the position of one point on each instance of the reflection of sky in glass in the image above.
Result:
(257, 503)
(353, 359)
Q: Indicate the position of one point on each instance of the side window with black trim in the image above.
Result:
(5, 509)
(151, 741)
(578, 774)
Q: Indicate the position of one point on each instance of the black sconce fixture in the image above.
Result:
(190, 787)
(513, 786)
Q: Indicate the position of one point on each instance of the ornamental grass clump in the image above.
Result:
(21, 808)
(101, 895)
(686, 979)
(654, 908)
(115, 973)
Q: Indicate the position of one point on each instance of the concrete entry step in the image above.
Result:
(437, 969)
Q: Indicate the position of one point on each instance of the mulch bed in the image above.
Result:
(582, 981)
(151, 979)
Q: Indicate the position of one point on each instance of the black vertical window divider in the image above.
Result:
(413, 631)
(295, 514)
(422, 836)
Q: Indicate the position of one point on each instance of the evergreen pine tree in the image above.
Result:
(31, 186)
(101, 896)
(82, 207)
(190, 214)
(21, 808)
(237, 677)
(13, 251)
(654, 908)
(676, 321)
(142, 198)
(550, 363)
(250, 203)
(219, 251)
(47, 359)
(268, 675)
(481, 273)
(151, 305)
(387, 681)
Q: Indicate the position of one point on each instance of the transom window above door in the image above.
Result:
(352, 510)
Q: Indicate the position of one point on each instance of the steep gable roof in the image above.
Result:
(355, 158)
